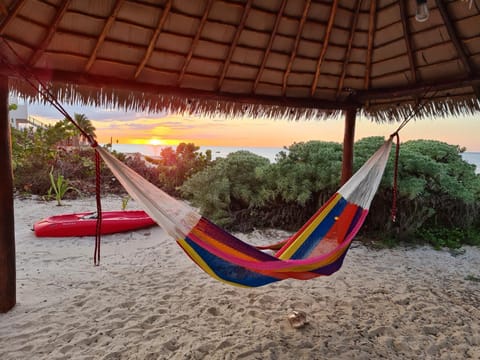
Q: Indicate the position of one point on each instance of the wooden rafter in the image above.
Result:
(349, 47)
(401, 72)
(371, 35)
(12, 13)
(323, 52)
(234, 43)
(453, 36)
(3, 8)
(269, 46)
(195, 41)
(103, 34)
(51, 31)
(153, 40)
(452, 33)
(407, 37)
(295, 46)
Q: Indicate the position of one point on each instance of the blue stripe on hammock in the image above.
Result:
(231, 272)
(322, 229)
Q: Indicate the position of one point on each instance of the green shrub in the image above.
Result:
(438, 192)
(453, 238)
(310, 171)
(32, 158)
(228, 185)
(438, 199)
(437, 188)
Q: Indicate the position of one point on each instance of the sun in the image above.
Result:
(155, 142)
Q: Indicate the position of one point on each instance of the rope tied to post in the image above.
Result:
(43, 90)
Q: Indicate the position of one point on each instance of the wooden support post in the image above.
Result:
(7, 231)
(348, 140)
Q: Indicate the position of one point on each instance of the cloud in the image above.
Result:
(221, 130)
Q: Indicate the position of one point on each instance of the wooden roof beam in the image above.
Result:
(349, 47)
(103, 34)
(295, 46)
(3, 9)
(240, 27)
(11, 14)
(270, 43)
(323, 52)
(153, 40)
(195, 41)
(51, 31)
(371, 36)
(452, 33)
(407, 37)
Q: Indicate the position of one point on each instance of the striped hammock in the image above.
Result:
(317, 249)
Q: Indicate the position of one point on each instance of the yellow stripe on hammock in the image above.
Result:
(292, 249)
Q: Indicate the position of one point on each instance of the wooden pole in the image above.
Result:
(7, 230)
(348, 140)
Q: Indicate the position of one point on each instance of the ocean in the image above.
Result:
(268, 152)
(472, 158)
(217, 151)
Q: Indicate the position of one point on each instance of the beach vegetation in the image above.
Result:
(33, 155)
(230, 184)
(177, 165)
(438, 198)
(472, 278)
(309, 172)
(59, 187)
(73, 135)
(35, 151)
(437, 189)
(440, 237)
(125, 201)
(143, 168)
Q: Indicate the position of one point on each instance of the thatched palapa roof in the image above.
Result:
(288, 58)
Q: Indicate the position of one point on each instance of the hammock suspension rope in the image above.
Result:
(48, 96)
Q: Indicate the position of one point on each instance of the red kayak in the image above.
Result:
(85, 224)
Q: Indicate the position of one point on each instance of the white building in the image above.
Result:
(19, 118)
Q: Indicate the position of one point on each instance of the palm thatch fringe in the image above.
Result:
(438, 104)
(158, 103)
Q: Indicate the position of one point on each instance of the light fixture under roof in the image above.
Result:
(422, 14)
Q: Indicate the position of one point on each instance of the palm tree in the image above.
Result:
(85, 124)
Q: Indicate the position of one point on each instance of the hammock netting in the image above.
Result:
(317, 249)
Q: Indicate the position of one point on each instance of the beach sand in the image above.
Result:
(147, 300)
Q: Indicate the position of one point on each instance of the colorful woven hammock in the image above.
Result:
(317, 249)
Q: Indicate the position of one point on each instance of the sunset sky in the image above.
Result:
(143, 128)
